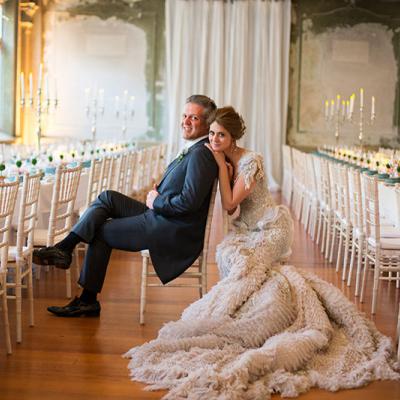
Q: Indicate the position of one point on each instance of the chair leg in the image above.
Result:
(68, 283)
(353, 251)
(346, 253)
(323, 239)
(329, 233)
(364, 278)
(376, 283)
(18, 301)
(30, 294)
(143, 287)
(339, 254)
(37, 272)
(5, 315)
(320, 226)
(202, 278)
(398, 335)
(360, 261)
(76, 264)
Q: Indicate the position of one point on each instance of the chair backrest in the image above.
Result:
(325, 183)
(343, 192)
(120, 172)
(130, 172)
(8, 196)
(298, 167)
(157, 160)
(355, 198)
(339, 188)
(106, 174)
(310, 180)
(27, 213)
(147, 167)
(63, 201)
(371, 207)
(334, 183)
(94, 184)
(204, 252)
(163, 160)
(316, 160)
(140, 176)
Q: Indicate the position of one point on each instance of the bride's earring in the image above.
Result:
(233, 146)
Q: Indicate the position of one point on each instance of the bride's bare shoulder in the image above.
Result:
(250, 157)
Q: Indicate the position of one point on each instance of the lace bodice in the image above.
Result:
(258, 204)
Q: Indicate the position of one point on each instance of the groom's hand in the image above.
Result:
(151, 196)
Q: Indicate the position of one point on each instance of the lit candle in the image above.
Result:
(348, 108)
(343, 108)
(326, 108)
(332, 108)
(361, 97)
(352, 97)
(373, 105)
(40, 76)
(337, 103)
(30, 86)
(22, 86)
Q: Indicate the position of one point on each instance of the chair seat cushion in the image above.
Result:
(40, 237)
(386, 243)
(390, 232)
(12, 252)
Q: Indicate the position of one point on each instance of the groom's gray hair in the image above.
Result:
(207, 103)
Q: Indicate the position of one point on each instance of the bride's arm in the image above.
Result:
(230, 197)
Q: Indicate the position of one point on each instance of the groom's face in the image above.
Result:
(193, 122)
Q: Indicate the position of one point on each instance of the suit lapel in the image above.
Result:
(176, 162)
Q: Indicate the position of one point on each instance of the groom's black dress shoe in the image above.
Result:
(52, 256)
(76, 308)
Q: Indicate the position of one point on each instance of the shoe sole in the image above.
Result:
(90, 314)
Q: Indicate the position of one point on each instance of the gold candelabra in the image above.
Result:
(41, 106)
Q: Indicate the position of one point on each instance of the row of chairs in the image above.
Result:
(338, 206)
(131, 172)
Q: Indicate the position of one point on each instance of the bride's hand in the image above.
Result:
(218, 155)
(229, 166)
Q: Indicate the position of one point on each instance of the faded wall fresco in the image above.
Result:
(338, 47)
(114, 46)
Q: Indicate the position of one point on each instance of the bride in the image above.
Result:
(265, 327)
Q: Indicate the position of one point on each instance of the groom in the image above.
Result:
(171, 224)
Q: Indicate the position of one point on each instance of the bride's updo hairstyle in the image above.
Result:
(231, 121)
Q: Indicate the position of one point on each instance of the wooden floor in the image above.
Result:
(75, 359)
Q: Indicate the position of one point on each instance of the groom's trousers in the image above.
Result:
(113, 221)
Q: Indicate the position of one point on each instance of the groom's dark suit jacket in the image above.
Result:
(176, 225)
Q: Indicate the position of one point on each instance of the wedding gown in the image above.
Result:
(265, 327)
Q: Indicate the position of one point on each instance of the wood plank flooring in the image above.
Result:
(78, 359)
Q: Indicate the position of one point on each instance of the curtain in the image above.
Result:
(236, 52)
